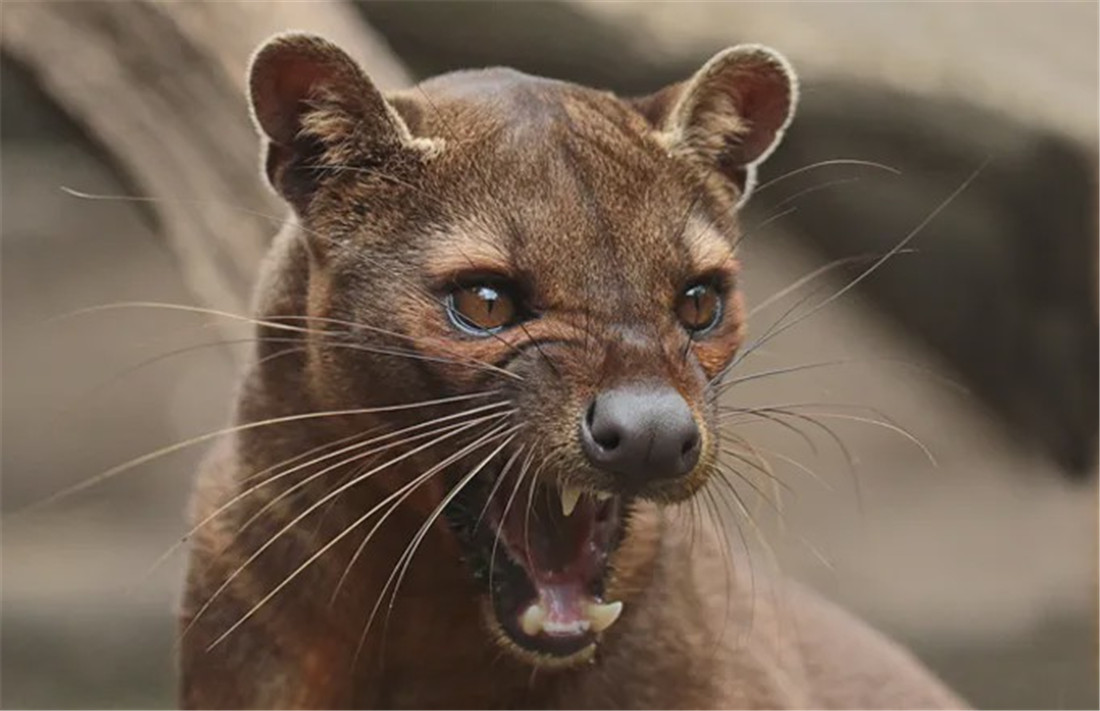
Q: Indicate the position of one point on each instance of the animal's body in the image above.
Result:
(488, 346)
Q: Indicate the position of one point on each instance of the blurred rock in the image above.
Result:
(1034, 61)
(555, 39)
(161, 87)
(1003, 281)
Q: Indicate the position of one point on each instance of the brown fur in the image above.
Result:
(605, 208)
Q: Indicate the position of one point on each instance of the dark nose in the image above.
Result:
(641, 434)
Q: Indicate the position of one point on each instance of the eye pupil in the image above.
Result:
(481, 308)
(490, 297)
(699, 308)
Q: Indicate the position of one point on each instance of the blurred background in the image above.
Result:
(981, 342)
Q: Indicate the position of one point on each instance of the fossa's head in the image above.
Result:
(564, 256)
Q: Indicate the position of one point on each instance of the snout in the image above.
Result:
(641, 434)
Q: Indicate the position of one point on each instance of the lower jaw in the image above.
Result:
(561, 654)
(568, 605)
(545, 624)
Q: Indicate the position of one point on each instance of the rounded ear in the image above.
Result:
(318, 110)
(731, 115)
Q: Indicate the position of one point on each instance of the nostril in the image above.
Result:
(689, 444)
(607, 440)
(603, 433)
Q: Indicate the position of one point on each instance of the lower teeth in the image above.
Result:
(598, 616)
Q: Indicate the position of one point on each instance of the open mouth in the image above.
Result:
(543, 554)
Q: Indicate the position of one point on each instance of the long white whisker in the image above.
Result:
(436, 468)
(313, 558)
(890, 254)
(126, 466)
(898, 429)
(341, 463)
(822, 164)
(505, 470)
(291, 328)
(527, 462)
(813, 189)
(297, 519)
(799, 283)
(406, 558)
(274, 219)
(764, 414)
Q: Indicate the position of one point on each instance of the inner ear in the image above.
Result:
(730, 115)
(317, 108)
(285, 72)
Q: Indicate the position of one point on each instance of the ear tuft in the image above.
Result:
(318, 109)
(731, 115)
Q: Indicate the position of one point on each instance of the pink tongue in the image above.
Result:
(564, 605)
(561, 557)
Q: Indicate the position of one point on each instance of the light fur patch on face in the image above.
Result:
(467, 246)
(709, 250)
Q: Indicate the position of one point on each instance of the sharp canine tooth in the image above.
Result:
(569, 497)
(602, 496)
(532, 619)
(603, 615)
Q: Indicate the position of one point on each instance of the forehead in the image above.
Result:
(564, 184)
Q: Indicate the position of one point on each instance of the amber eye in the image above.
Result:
(699, 308)
(482, 309)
